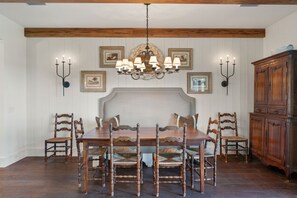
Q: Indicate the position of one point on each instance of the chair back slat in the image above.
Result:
(79, 132)
(170, 141)
(228, 124)
(124, 127)
(126, 141)
(63, 125)
(228, 127)
(213, 130)
(168, 128)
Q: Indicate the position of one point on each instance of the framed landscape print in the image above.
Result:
(109, 55)
(199, 82)
(93, 81)
(185, 55)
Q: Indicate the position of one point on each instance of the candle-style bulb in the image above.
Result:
(234, 60)
(63, 57)
(56, 60)
(69, 60)
(227, 57)
(221, 60)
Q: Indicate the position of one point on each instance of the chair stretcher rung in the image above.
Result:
(170, 182)
(170, 177)
(125, 176)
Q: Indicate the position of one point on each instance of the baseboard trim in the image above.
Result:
(13, 157)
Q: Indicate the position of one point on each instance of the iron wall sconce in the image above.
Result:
(225, 83)
(63, 76)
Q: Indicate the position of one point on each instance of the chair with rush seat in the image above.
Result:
(95, 153)
(123, 155)
(170, 158)
(62, 140)
(210, 155)
(229, 139)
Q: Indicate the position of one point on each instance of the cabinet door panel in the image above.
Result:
(277, 94)
(261, 84)
(256, 135)
(275, 140)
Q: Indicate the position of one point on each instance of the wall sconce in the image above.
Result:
(225, 83)
(63, 76)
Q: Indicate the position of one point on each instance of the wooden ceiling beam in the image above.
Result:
(270, 2)
(141, 32)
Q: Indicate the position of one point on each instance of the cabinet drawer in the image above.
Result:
(260, 109)
(277, 110)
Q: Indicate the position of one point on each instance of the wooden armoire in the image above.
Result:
(273, 124)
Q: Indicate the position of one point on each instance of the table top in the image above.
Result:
(147, 134)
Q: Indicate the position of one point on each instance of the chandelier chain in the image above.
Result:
(147, 26)
(146, 65)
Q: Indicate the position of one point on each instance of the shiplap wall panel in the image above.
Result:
(45, 89)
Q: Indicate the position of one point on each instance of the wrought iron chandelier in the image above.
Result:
(146, 65)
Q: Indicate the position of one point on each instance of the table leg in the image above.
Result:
(201, 167)
(85, 167)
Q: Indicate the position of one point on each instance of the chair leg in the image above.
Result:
(246, 151)
(153, 170)
(138, 178)
(66, 150)
(141, 173)
(192, 172)
(55, 147)
(184, 179)
(45, 151)
(157, 179)
(111, 180)
(236, 149)
(221, 149)
(79, 172)
(226, 151)
(215, 171)
(71, 146)
(102, 165)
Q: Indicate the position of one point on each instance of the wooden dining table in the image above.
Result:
(101, 137)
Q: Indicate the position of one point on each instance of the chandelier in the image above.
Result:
(146, 65)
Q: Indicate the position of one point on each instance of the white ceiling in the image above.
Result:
(133, 15)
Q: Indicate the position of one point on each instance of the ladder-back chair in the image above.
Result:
(95, 153)
(170, 158)
(229, 139)
(210, 154)
(125, 158)
(62, 140)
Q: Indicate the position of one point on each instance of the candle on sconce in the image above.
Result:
(234, 60)
(227, 57)
(221, 60)
(63, 70)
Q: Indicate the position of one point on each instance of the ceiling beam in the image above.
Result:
(141, 32)
(274, 2)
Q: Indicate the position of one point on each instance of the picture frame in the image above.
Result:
(109, 55)
(185, 55)
(199, 82)
(93, 81)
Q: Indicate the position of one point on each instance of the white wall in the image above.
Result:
(13, 99)
(44, 88)
(280, 34)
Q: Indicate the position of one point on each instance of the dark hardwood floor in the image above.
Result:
(31, 177)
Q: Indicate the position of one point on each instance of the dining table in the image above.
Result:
(101, 137)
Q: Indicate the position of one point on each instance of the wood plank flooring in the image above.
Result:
(31, 177)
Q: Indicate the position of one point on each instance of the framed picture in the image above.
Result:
(185, 55)
(109, 55)
(93, 81)
(199, 82)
